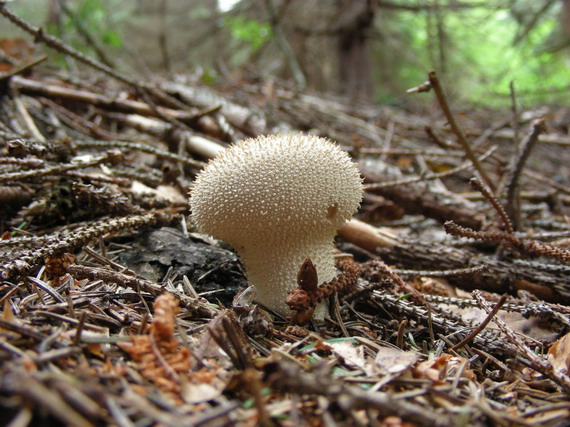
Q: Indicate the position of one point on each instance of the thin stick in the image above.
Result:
(83, 32)
(483, 324)
(401, 331)
(57, 169)
(535, 361)
(22, 68)
(442, 99)
(515, 170)
(80, 327)
(514, 111)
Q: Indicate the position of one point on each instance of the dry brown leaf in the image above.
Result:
(392, 360)
(404, 162)
(28, 364)
(96, 349)
(434, 286)
(394, 421)
(323, 345)
(440, 370)
(559, 356)
(8, 313)
(352, 355)
(199, 393)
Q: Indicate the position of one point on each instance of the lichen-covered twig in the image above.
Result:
(485, 191)
(534, 360)
(443, 273)
(27, 261)
(192, 305)
(376, 270)
(25, 163)
(530, 247)
(104, 200)
(443, 321)
(23, 147)
(557, 313)
(112, 155)
(482, 325)
(145, 148)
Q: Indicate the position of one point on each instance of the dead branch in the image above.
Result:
(415, 200)
(515, 170)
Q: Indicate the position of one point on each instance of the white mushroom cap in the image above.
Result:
(277, 200)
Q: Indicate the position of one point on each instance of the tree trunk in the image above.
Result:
(355, 18)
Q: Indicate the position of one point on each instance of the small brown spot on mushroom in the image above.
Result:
(332, 211)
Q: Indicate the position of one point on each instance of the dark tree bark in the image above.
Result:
(355, 18)
(566, 17)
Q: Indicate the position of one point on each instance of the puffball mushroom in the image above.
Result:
(278, 199)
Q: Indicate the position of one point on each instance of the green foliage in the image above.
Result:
(401, 55)
(93, 17)
(254, 33)
(91, 12)
(487, 59)
(481, 56)
(96, 19)
(209, 76)
(111, 38)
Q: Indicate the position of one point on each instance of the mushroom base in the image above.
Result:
(274, 272)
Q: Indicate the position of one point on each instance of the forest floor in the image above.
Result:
(452, 308)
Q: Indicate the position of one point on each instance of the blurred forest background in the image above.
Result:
(369, 51)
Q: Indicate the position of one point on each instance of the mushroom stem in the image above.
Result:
(268, 272)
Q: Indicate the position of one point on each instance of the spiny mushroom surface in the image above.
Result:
(277, 200)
